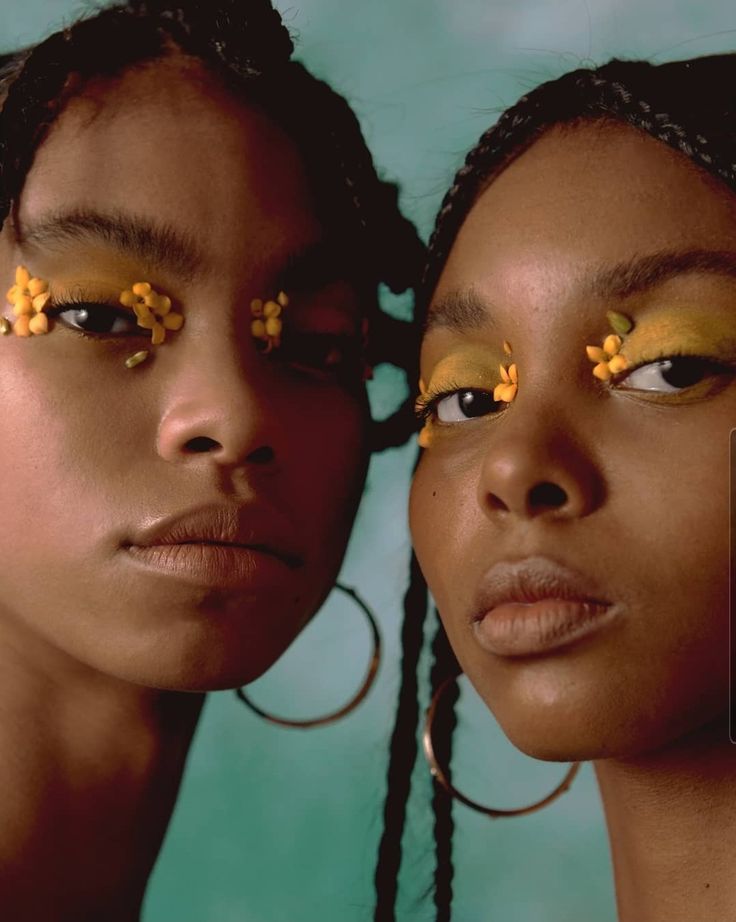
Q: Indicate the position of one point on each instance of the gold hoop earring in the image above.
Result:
(357, 697)
(439, 774)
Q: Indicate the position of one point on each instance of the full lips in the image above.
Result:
(536, 605)
(213, 565)
(528, 628)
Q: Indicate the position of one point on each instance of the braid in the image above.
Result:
(688, 105)
(245, 43)
(403, 750)
(657, 99)
(443, 727)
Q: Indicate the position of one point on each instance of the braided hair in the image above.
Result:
(245, 44)
(688, 105)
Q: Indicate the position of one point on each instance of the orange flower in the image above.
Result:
(29, 297)
(153, 311)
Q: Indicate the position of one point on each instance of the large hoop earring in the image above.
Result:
(440, 776)
(357, 697)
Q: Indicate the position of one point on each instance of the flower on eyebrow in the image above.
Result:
(608, 359)
(29, 297)
(267, 324)
(153, 311)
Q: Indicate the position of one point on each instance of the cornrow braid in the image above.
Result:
(688, 105)
(245, 44)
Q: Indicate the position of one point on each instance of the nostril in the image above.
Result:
(201, 445)
(547, 496)
(263, 455)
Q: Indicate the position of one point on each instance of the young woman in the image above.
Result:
(570, 511)
(193, 234)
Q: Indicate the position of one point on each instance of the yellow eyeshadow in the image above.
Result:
(468, 367)
(712, 336)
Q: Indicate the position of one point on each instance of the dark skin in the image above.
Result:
(626, 482)
(96, 651)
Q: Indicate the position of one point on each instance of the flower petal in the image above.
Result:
(173, 321)
(618, 363)
(141, 289)
(23, 306)
(22, 277)
(601, 371)
(514, 373)
(158, 335)
(611, 344)
(37, 287)
(596, 354)
(504, 374)
(128, 299)
(39, 324)
(40, 301)
(20, 327)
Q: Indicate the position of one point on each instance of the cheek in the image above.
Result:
(58, 451)
(325, 459)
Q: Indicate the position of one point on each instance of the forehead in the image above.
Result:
(584, 198)
(166, 142)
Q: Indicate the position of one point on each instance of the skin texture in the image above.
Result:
(625, 486)
(93, 452)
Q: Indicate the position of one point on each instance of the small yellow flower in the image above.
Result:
(153, 311)
(29, 297)
(608, 359)
(267, 324)
(507, 389)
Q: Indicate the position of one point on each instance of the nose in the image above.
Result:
(217, 409)
(536, 466)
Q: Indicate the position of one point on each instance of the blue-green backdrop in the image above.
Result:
(282, 826)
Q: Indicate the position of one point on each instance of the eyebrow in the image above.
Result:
(643, 273)
(458, 310)
(159, 245)
(465, 310)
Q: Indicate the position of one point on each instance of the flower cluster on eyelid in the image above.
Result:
(30, 297)
(651, 339)
(470, 368)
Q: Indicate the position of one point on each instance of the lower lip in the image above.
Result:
(224, 566)
(529, 628)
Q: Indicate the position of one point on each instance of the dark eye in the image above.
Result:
(668, 376)
(323, 354)
(103, 319)
(467, 404)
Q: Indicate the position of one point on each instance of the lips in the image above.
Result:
(219, 545)
(536, 605)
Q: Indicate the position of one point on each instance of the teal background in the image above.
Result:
(282, 826)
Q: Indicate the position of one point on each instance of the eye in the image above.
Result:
(100, 319)
(465, 404)
(323, 355)
(672, 375)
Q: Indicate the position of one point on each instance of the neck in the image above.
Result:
(90, 772)
(671, 819)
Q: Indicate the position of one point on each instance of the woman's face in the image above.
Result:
(177, 523)
(576, 538)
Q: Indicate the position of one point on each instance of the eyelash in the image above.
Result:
(425, 406)
(294, 352)
(78, 303)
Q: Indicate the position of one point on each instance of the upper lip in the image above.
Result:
(532, 580)
(247, 526)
